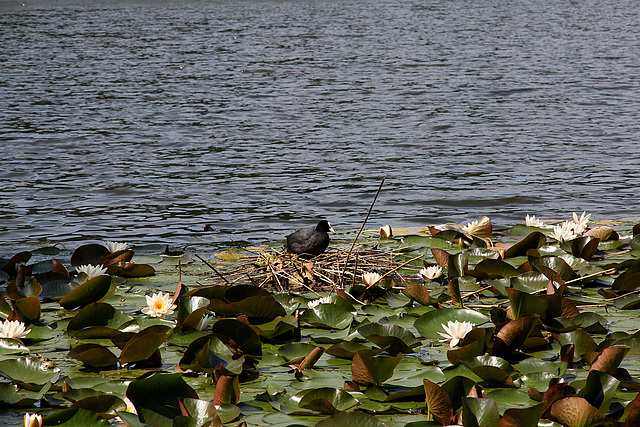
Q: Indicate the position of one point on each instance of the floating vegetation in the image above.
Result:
(449, 325)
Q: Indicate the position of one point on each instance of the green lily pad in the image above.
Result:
(328, 316)
(93, 290)
(98, 314)
(430, 323)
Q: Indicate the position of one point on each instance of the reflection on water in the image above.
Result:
(144, 122)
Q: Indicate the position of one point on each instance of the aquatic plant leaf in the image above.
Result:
(75, 417)
(16, 397)
(156, 397)
(101, 403)
(310, 360)
(241, 292)
(472, 345)
(295, 352)
(633, 411)
(583, 342)
(513, 334)
(12, 346)
(242, 334)
(201, 412)
(351, 419)
(328, 400)
(373, 369)
(98, 314)
(31, 288)
(281, 326)
(496, 268)
(478, 412)
(575, 411)
(534, 240)
(430, 323)
(599, 389)
(395, 339)
(131, 270)
(145, 343)
(88, 254)
(584, 247)
(93, 290)
(438, 403)
(27, 309)
(522, 417)
(94, 355)
(610, 359)
(546, 306)
(227, 390)
(259, 308)
(627, 281)
(19, 258)
(346, 350)
(418, 292)
(28, 370)
(458, 265)
(215, 355)
(330, 316)
(555, 268)
(603, 233)
(118, 257)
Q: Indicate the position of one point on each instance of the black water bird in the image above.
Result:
(310, 242)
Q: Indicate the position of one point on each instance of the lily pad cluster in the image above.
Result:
(465, 326)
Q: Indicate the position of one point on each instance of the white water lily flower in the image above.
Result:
(371, 279)
(204, 322)
(385, 231)
(32, 420)
(563, 232)
(159, 305)
(430, 273)
(92, 270)
(13, 329)
(115, 246)
(470, 227)
(581, 223)
(532, 221)
(455, 331)
(316, 302)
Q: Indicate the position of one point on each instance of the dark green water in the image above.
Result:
(145, 121)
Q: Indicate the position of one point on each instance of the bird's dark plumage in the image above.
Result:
(310, 242)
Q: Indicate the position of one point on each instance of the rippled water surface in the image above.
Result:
(144, 121)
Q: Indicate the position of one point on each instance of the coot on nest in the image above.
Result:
(310, 242)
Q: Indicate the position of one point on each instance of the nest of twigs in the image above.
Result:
(339, 268)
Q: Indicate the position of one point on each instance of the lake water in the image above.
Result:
(144, 121)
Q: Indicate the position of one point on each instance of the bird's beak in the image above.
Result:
(331, 228)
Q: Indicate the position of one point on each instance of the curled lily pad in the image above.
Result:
(27, 309)
(145, 343)
(576, 411)
(75, 417)
(373, 369)
(438, 403)
(156, 398)
(89, 254)
(395, 339)
(94, 355)
(328, 400)
(513, 335)
(480, 412)
(227, 390)
(93, 290)
(98, 314)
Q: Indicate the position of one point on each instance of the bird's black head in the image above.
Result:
(325, 226)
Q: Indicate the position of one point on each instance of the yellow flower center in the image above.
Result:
(159, 305)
